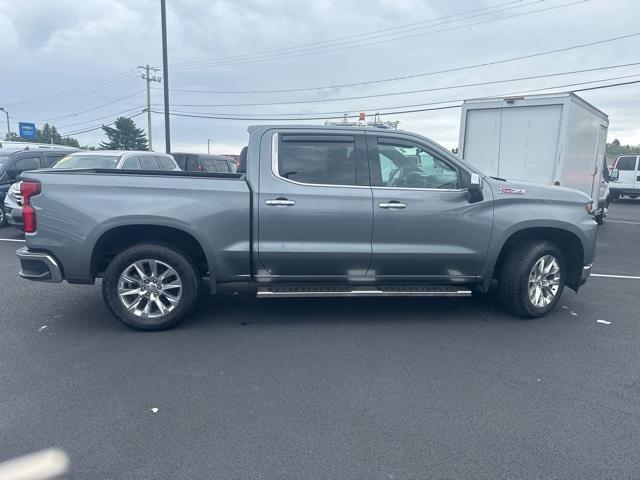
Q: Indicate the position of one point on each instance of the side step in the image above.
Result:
(362, 291)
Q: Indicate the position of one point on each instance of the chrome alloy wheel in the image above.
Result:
(544, 281)
(150, 288)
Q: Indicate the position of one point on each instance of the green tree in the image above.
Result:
(124, 135)
(616, 148)
(48, 134)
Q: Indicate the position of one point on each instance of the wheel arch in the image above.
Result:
(119, 237)
(568, 241)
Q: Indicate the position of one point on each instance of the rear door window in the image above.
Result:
(166, 163)
(149, 162)
(25, 164)
(193, 163)
(626, 163)
(132, 163)
(318, 159)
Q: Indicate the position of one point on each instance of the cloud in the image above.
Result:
(66, 46)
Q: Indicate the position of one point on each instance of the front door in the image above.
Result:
(424, 226)
(314, 207)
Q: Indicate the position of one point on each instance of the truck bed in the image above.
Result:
(79, 209)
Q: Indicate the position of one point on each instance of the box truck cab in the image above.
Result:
(555, 139)
(625, 176)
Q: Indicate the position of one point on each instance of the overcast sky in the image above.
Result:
(72, 63)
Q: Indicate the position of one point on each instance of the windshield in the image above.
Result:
(88, 161)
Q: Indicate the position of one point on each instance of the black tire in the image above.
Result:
(513, 277)
(3, 217)
(602, 216)
(166, 254)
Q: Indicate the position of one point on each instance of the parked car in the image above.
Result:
(625, 177)
(15, 160)
(203, 162)
(553, 139)
(321, 211)
(118, 160)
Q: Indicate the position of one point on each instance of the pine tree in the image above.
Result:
(124, 136)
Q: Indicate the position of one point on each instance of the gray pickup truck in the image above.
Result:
(320, 211)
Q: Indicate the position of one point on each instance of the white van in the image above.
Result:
(625, 177)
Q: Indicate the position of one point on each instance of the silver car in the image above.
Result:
(118, 159)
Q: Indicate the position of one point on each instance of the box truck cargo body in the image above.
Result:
(550, 139)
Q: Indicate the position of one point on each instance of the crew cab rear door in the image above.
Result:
(424, 227)
(314, 206)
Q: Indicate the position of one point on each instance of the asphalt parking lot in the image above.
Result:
(320, 388)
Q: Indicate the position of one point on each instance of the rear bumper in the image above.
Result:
(39, 266)
(586, 272)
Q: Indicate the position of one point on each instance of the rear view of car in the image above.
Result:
(13, 206)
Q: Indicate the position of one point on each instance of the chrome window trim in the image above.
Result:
(274, 170)
(422, 189)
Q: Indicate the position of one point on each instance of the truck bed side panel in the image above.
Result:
(75, 209)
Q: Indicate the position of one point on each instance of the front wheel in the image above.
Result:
(3, 217)
(602, 216)
(532, 278)
(150, 286)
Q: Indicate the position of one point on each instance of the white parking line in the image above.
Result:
(629, 222)
(628, 277)
(11, 240)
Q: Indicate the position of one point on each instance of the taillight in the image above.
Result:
(29, 189)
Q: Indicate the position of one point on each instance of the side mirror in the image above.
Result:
(474, 192)
(614, 175)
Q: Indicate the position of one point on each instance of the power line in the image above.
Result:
(91, 129)
(350, 37)
(75, 114)
(317, 51)
(406, 92)
(418, 75)
(107, 83)
(111, 115)
(325, 115)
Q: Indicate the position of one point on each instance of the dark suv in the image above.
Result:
(203, 162)
(14, 161)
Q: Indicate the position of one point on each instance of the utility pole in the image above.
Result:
(149, 77)
(165, 74)
(8, 124)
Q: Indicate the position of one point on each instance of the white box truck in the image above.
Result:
(555, 139)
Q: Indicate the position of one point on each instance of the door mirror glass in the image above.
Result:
(614, 175)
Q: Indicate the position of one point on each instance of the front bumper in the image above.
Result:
(586, 272)
(39, 266)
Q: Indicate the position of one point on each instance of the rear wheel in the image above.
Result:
(150, 286)
(532, 278)
(3, 218)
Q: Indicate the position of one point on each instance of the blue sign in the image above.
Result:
(27, 130)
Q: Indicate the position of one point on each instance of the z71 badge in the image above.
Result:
(512, 191)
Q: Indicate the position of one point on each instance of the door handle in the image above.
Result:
(280, 202)
(393, 205)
